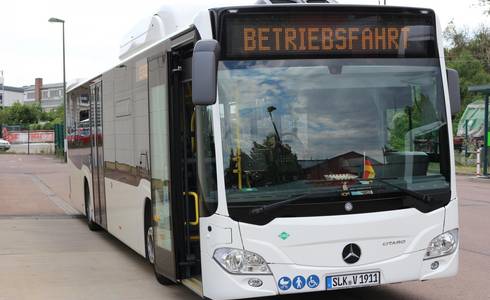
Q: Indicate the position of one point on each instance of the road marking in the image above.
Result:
(53, 197)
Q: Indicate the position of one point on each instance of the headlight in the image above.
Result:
(443, 244)
(238, 261)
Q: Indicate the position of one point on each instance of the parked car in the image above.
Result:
(4, 145)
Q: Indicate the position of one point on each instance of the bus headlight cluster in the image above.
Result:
(238, 261)
(443, 244)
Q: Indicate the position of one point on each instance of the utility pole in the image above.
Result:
(486, 136)
(55, 20)
(3, 89)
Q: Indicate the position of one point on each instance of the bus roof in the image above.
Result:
(173, 19)
(170, 20)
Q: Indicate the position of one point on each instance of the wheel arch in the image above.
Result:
(147, 214)
(86, 194)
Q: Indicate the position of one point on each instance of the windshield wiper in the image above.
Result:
(273, 206)
(414, 194)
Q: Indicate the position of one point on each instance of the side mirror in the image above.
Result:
(204, 72)
(453, 87)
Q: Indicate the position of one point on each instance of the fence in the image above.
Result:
(29, 141)
(34, 141)
(59, 139)
(30, 136)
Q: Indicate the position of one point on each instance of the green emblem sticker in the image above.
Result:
(283, 235)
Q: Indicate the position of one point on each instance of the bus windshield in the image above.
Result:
(331, 127)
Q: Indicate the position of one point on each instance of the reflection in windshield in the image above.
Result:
(306, 124)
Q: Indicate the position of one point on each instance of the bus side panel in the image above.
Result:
(126, 143)
(125, 212)
(77, 193)
(78, 151)
(451, 220)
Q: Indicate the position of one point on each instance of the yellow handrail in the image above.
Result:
(196, 204)
(238, 155)
(193, 132)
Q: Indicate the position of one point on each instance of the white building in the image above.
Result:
(50, 96)
(10, 95)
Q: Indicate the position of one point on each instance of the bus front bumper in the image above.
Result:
(406, 267)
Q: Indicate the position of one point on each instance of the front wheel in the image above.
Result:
(150, 245)
(90, 223)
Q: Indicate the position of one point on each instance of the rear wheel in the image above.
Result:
(91, 224)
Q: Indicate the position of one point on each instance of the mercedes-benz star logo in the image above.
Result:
(351, 253)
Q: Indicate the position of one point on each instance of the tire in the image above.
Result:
(150, 245)
(90, 223)
(148, 234)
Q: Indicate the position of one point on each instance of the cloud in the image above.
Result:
(31, 47)
(317, 116)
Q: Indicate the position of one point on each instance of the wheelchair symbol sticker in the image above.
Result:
(313, 281)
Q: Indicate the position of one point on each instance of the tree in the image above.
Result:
(420, 113)
(31, 116)
(21, 114)
(469, 54)
(486, 6)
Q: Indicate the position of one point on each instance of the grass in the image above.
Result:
(465, 170)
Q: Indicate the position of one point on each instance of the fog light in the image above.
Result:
(434, 265)
(255, 282)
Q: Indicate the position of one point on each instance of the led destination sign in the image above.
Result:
(259, 35)
(262, 39)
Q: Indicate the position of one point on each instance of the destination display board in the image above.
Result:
(256, 35)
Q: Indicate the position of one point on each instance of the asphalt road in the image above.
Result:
(47, 252)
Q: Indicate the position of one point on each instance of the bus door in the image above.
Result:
(173, 166)
(184, 160)
(97, 154)
(162, 206)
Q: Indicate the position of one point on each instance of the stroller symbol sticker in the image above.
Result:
(284, 283)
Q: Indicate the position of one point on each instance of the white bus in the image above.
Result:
(272, 149)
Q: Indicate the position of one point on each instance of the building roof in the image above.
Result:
(11, 89)
(45, 86)
(480, 88)
(53, 85)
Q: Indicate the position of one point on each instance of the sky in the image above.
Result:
(31, 47)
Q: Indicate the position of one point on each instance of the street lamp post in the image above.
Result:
(55, 20)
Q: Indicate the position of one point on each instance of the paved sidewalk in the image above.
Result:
(46, 252)
(60, 259)
(33, 185)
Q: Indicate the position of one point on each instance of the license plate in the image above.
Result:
(353, 280)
